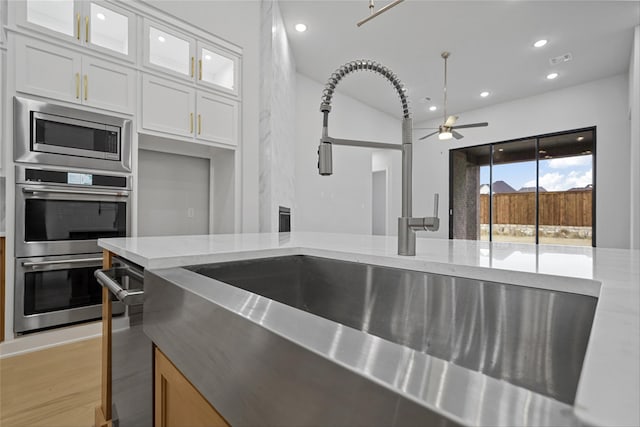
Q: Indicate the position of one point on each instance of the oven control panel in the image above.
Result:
(47, 176)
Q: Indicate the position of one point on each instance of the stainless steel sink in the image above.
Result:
(529, 337)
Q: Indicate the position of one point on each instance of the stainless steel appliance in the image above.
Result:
(60, 214)
(57, 290)
(46, 133)
(59, 211)
(131, 349)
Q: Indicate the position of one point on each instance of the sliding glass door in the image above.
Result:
(531, 190)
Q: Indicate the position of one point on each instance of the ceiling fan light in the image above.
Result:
(444, 135)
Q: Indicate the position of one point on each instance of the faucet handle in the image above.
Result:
(436, 198)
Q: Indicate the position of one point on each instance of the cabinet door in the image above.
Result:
(167, 106)
(46, 70)
(218, 68)
(109, 86)
(169, 51)
(177, 401)
(217, 119)
(110, 29)
(61, 18)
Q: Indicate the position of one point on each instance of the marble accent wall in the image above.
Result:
(277, 118)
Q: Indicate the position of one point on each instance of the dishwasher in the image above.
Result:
(131, 349)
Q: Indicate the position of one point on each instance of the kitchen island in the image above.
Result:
(609, 384)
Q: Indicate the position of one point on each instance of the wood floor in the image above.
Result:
(56, 387)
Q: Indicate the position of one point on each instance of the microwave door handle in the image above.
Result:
(35, 264)
(35, 190)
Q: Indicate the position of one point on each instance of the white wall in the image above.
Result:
(634, 117)
(173, 194)
(340, 202)
(277, 118)
(391, 162)
(601, 103)
(239, 23)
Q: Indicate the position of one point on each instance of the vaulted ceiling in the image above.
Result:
(491, 45)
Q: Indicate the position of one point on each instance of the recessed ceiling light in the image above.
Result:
(301, 28)
(500, 149)
(580, 138)
(484, 94)
(547, 157)
(542, 152)
(161, 39)
(433, 108)
(552, 76)
(540, 43)
(101, 16)
(207, 57)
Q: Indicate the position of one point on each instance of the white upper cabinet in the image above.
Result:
(47, 70)
(218, 68)
(217, 119)
(98, 25)
(167, 107)
(180, 55)
(178, 109)
(169, 51)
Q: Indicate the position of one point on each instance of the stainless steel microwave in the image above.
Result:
(50, 134)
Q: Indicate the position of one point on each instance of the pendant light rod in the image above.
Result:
(374, 14)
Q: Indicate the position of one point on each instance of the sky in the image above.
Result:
(555, 174)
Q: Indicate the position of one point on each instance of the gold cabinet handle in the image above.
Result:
(193, 64)
(199, 124)
(191, 122)
(78, 25)
(77, 85)
(200, 69)
(86, 87)
(86, 29)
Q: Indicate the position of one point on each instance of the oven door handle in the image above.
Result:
(127, 296)
(36, 190)
(36, 264)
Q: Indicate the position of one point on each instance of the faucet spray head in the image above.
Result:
(325, 160)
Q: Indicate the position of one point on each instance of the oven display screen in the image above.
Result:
(80, 178)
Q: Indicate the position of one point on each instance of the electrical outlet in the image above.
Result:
(190, 213)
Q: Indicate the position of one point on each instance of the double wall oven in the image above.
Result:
(73, 186)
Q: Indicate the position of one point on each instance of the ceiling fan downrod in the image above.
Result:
(445, 55)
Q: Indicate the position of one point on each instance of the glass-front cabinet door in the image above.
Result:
(95, 24)
(169, 51)
(57, 16)
(218, 68)
(109, 28)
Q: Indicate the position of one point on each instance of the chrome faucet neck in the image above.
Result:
(407, 225)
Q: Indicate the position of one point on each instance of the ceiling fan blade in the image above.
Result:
(457, 135)
(424, 128)
(427, 136)
(450, 121)
(471, 125)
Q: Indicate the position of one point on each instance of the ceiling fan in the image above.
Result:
(447, 130)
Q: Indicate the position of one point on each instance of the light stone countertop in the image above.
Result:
(609, 387)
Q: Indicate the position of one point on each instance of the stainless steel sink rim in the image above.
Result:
(529, 337)
(269, 314)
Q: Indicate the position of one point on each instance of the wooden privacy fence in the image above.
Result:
(568, 208)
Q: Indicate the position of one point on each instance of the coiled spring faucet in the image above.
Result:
(407, 225)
